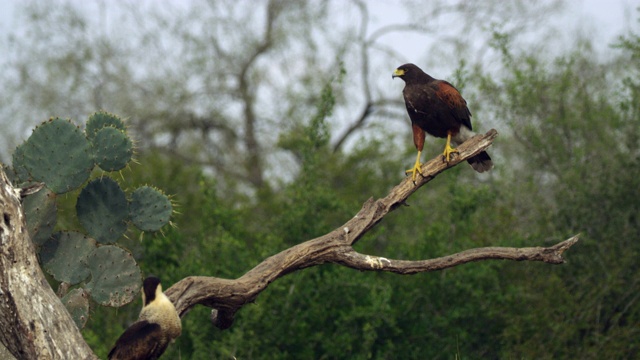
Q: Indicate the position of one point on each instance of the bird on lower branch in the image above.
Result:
(157, 326)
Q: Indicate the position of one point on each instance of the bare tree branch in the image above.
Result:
(228, 296)
(369, 108)
(550, 255)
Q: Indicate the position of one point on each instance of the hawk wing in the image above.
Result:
(449, 95)
(142, 340)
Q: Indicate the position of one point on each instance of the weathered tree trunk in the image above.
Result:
(35, 325)
(33, 322)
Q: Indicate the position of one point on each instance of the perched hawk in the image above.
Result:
(435, 106)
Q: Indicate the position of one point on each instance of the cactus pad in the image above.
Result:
(20, 172)
(58, 154)
(103, 209)
(112, 148)
(115, 276)
(63, 255)
(77, 303)
(100, 120)
(150, 209)
(41, 211)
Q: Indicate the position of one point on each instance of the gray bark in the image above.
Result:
(227, 296)
(33, 322)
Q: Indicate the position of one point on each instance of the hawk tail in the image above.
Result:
(481, 162)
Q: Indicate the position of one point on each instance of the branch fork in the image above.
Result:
(227, 296)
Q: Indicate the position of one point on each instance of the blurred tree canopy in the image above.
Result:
(271, 122)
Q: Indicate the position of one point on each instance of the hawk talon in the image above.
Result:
(446, 155)
(415, 169)
(448, 150)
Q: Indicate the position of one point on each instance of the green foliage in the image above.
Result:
(576, 158)
(305, 216)
(310, 142)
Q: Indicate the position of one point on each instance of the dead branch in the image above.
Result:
(227, 296)
(550, 255)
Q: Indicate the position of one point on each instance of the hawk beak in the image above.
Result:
(397, 73)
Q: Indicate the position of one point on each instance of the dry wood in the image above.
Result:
(228, 296)
(33, 322)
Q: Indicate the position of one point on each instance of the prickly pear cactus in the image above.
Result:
(64, 255)
(58, 154)
(115, 276)
(103, 210)
(62, 156)
(41, 212)
(150, 209)
(100, 120)
(20, 172)
(112, 148)
(77, 303)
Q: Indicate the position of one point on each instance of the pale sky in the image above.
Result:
(601, 19)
